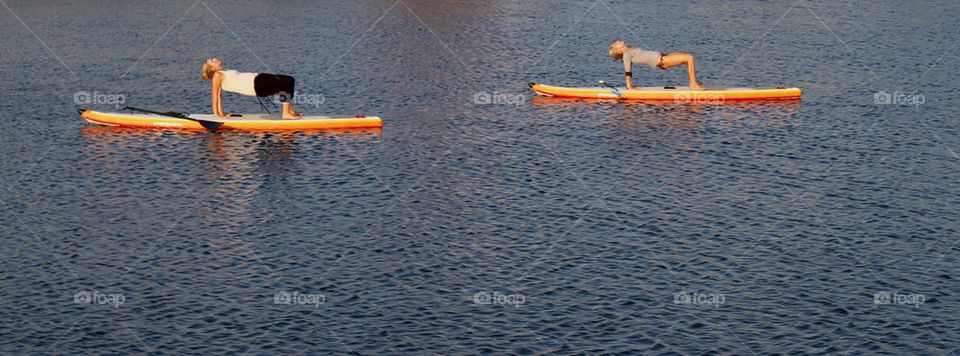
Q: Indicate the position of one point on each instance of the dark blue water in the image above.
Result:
(528, 226)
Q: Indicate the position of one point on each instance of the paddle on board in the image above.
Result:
(615, 90)
(207, 124)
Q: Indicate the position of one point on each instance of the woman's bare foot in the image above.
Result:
(288, 112)
(696, 86)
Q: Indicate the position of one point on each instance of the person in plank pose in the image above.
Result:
(252, 84)
(630, 56)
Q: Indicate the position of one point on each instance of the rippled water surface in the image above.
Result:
(527, 225)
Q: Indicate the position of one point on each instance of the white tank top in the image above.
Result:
(238, 82)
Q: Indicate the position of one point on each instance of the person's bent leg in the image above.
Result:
(692, 74)
(682, 58)
(286, 97)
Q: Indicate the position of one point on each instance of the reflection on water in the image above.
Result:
(235, 165)
(648, 120)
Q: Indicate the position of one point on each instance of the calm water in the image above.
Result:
(528, 225)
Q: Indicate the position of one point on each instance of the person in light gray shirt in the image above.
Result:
(630, 56)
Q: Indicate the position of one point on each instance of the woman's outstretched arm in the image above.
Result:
(215, 94)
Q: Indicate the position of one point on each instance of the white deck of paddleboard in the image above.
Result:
(678, 89)
(214, 118)
(257, 117)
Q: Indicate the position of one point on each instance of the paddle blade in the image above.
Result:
(209, 125)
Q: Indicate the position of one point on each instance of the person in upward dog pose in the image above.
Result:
(620, 51)
(252, 84)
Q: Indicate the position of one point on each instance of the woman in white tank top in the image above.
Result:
(620, 51)
(252, 84)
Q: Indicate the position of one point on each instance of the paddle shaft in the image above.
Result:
(209, 125)
(615, 90)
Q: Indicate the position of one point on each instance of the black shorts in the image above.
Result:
(660, 62)
(274, 84)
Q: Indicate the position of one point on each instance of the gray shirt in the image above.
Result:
(639, 56)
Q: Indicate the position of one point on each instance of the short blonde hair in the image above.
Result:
(618, 55)
(206, 72)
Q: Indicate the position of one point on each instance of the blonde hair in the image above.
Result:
(206, 72)
(618, 55)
